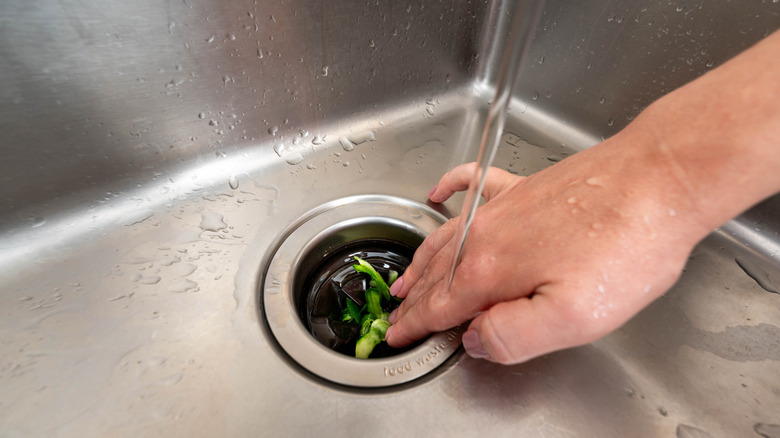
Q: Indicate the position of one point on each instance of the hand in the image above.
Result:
(563, 257)
(552, 261)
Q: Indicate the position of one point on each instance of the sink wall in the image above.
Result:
(153, 152)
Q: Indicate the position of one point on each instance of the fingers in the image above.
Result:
(458, 179)
(431, 246)
(453, 181)
(430, 314)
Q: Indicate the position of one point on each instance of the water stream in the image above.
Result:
(525, 16)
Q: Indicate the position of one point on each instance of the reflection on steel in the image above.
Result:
(153, 153)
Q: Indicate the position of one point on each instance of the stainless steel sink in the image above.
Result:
(154, 151)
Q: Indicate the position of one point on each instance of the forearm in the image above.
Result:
(718, 138)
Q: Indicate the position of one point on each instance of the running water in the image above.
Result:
(526, 15)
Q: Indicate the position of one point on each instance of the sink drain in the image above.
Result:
(301, 303)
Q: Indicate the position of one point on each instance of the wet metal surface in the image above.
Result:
(152, 154)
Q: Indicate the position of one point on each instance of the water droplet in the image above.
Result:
(362, 138)
(201, 115)
(767, 430)
(311, 166)
(757, 272)
(213, 123)
(535, 96)
(686, 431)
(182, 285)
(594, 181)
(346, 144)
(317, 140)
(610, 122)
(211, 221)
(233, 182)
(183, 270)
(294, 158)
(279, 149)
(138, 217)
(554, 158)
(273, 130)
(602, 100)
(260, 53)
(663, 411)
(38, 222)
(149, 279)
(324, 71)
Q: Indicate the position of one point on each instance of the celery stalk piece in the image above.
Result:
(375, 334)
(366, 268)
(373, 302)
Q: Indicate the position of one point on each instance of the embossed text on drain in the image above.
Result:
(422, 360)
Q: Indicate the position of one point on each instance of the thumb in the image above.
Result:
(512, 332)
(458, 179)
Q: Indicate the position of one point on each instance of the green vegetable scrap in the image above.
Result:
(372, 318)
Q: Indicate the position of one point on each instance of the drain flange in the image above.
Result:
(303, 247)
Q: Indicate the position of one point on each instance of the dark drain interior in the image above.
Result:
(326, 280)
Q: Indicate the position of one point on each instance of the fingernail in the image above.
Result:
(433, 190)
(396, 286)
(391, 317)
(473, 345)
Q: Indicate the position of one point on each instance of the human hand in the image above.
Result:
(566, 255)
(552, 261)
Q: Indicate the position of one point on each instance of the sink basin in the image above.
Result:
(154, 153)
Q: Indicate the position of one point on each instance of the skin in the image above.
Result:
(567, 255)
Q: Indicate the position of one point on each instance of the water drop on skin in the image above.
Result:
(594, 181)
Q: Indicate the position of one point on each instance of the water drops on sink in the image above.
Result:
(686, 431)
(211, 221)
(767, 430)
(363, 137)
(233, 182)
(346, 144)
(294, 158)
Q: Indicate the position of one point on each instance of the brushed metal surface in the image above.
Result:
(153, 151)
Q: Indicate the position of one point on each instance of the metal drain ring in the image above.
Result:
(333, 224)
